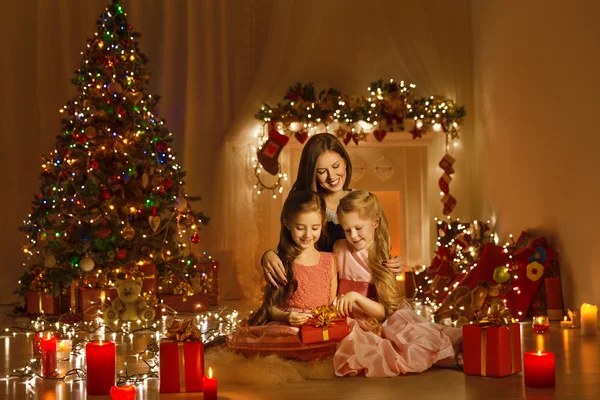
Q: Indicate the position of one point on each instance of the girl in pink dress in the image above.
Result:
(387, 338)
(312, 282)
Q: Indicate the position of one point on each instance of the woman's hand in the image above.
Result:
(395, 265)
(273, 269)
(297, 319)
(345, 303)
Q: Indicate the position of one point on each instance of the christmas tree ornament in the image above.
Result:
(268, 154)
(181, 204)
(105, 194)
(301, 136)
(449, 203)
(195, 238)
(86, 264)
(380, 135)
(154, 222)
(100, 114)
(121, 254)
(128, 232)
(134, 97)
(50, 261)
(145, 180)
(114, 88)
(161, 147)
(90, 131)
(110, 256)
(103, 233)
(94, 164)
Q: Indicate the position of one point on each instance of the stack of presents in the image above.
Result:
(165, 292)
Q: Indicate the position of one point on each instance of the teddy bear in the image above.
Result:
(129, 305)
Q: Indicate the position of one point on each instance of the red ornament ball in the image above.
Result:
(161, 147)
(94, 164)
(195, 238)
(81, 139)
(105, 194)
(121, 254)
(121, 111)
(167, 183)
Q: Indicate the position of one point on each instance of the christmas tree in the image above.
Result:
(112, 196)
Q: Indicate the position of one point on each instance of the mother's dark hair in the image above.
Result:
(317, 145)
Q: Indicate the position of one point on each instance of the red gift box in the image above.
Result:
(38, 302)
(195, 303)
(181, 366)
(314, 334)
(485, 350)
(149, 280)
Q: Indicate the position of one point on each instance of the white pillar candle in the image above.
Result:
(589, 319)
(63, 349)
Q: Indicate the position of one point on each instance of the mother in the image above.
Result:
(325, 168)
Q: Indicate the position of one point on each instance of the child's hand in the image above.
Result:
(345, 303)
(297, 319)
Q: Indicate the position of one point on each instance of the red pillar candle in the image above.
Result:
(101, 367)
(122, 393)
(37, 344)
(210, 386)
(48, 347)
(539, 369)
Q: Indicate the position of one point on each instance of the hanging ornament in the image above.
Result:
(114, 88)
(134, 97)
(154, 222)
(81, 139)
(86, 264)
(121, 254)
(103, 233)
(90, 132)
(181, 204)
(50, 260)
(110, 256)
(94, 164)
(121, 111)
(501, 274)
(167, 183)
(105, 194)
(145, 180)
(161, 147)
(128, 232)
(195, 238)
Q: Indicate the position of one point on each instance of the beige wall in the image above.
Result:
(536, 66)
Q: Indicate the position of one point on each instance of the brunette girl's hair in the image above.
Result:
(368, 207)
(303, 201)
(307, 169)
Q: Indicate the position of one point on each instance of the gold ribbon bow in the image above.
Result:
(182, 331)
(324, 317)
(496, 314)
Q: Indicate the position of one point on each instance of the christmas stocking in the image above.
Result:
(449, 204)
(444, 183)
(446, 164)
(269, 153)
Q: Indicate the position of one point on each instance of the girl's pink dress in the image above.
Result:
(408, 342)
(314, 290)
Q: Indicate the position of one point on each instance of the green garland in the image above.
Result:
(387, 106)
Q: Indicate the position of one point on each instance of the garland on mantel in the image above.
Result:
(389, 107)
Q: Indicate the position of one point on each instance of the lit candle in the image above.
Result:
(48, 346)
(122, 393)
(210, 386)
(566, 323)
(589, 319)
(539, 369)
(63, 350)
(541, 324)
(101, 367)
(37, 344)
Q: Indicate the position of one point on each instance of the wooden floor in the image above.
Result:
(577, 376)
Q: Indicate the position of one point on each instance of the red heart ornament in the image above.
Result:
(348, 138)
(301, 136)
(380, 135)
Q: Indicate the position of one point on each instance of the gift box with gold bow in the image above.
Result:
(181, 358)
(492, 344)
(324, 325)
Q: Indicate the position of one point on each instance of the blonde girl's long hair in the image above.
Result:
(302, 201)
(368, 207)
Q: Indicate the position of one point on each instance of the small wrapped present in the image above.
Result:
(324, 325)
(42, 303)
(181, 358)
(492, 345)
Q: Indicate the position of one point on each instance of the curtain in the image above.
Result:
(214, 63)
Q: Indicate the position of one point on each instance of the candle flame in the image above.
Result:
(539, 353)
(210, 373)
(100, 342)
(565, 318)
(49, 335)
